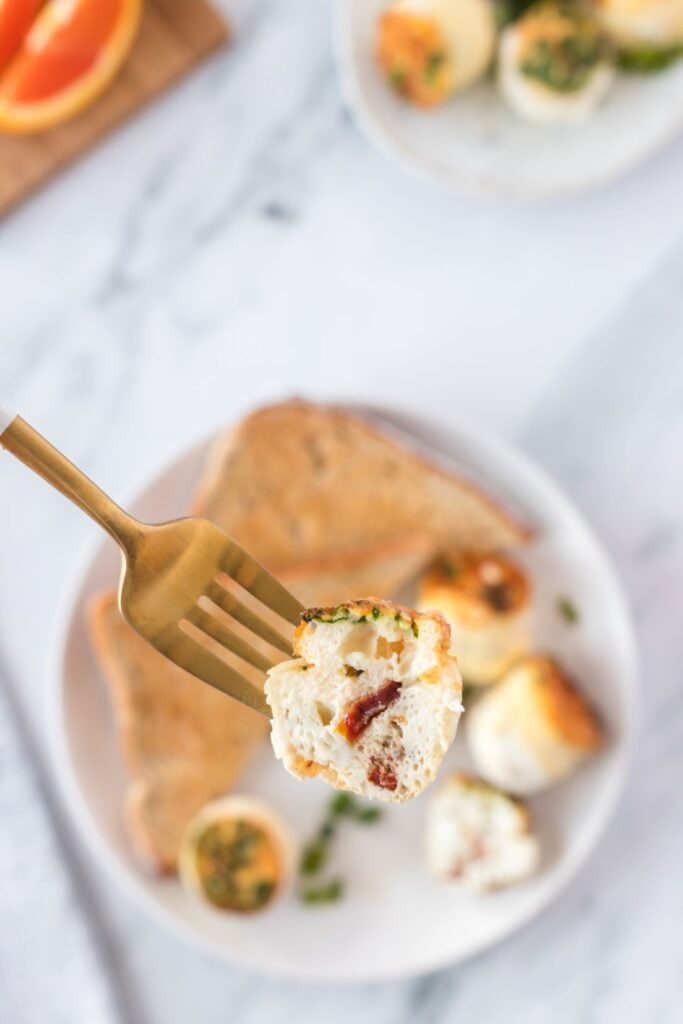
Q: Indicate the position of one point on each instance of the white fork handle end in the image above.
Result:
(6, 417)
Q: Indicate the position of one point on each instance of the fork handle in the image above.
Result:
(31, 448)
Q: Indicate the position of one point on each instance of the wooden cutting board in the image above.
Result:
(174, 36)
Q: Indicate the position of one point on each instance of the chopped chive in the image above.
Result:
(341, 803)
(568, 610)
(368, 815)
(330, 892)
(262, 890)
(327, 830)
(316, 854)
(648, 59)
(314, 857)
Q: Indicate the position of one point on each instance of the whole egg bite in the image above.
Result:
(555, 64)
(429, 50)
(531, 729)
(486, 599)
(477, 836)
(371, 701)
(634, 24)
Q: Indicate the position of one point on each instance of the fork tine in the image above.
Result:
(254, 578)
(186, 651)
(217, 593)
(226, 637)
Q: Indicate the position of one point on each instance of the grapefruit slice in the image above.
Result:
(70, 54)
(16, 17)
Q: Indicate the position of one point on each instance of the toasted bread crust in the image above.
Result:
(183, 743)
(296, 481)
(380, 568)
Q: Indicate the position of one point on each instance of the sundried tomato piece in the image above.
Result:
(360, 714)
(382, 774)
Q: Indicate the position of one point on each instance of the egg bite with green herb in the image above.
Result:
(555, 64)
(237, 855)
(486, 599)
(647, 33)
(477, 836)
(532, 728)
(371, 701)
(428, 50)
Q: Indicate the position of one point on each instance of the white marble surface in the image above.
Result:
(240, 241)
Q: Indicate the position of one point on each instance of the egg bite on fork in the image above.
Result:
(371, 701)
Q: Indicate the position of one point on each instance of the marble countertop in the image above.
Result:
(239, 242)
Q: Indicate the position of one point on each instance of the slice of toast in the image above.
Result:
(379, 569)
(183, 742)
(294, 482)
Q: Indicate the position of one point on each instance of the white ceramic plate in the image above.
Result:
(475, 142)
(394, 920)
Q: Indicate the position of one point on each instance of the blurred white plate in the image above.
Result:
(394, 920)
(475, 142)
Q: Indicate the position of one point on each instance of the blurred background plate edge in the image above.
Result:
(390, 126)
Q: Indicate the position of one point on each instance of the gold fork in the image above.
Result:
(175, 587)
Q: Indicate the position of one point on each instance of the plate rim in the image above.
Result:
(71, 793)
(432, 173)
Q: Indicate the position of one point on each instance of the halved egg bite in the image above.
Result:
(477, 836)
(430, 49)
(555, 64)
(237, 854)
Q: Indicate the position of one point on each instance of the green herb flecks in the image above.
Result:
(568, 610)
(327, 830)
(339, 614)
(433, 65)
(314, 856)
(316, 853)
(565, 65)
(329, 892)
(328, 616)
(224, 854)
(368, 815)
(506, 11)
(340, 804)
(648, 59)
(262, 891)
